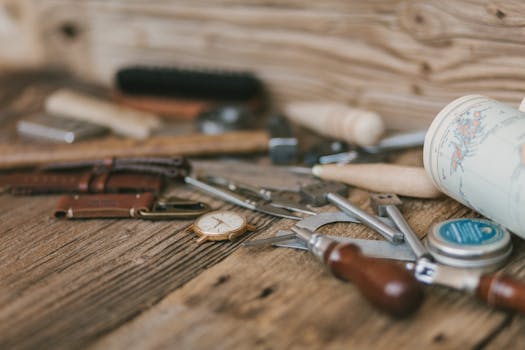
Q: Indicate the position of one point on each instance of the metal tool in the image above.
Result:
(372, 248)
(384, 284)
(323, 192)
(315, 194)
(495, 289)
(329, 152)
(398, 141)
(282, 144)
(274, 198)
(225, 118)
(58, 129)
(386, 205)
(228, 196)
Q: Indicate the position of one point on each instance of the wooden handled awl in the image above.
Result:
(496, 289)
(381, 177)
(121, 120)
(386, 285)
(357, 126)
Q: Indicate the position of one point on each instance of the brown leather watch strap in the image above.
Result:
(84, 182)
(103, 205)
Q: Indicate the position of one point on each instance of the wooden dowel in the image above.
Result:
(12, 156)
(379, 177)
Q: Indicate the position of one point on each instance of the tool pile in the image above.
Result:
(126, 177)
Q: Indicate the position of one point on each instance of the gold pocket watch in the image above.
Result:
(220, 225)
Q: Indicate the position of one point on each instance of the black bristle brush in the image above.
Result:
(188, 83)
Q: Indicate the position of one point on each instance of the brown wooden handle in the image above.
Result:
(235, 142)
(385, 284)
(502, 291)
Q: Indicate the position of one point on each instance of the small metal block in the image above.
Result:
(315, 194)
(380, 200)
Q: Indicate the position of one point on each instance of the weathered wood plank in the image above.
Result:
(66, 282)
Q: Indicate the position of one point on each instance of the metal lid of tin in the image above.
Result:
(469, 243)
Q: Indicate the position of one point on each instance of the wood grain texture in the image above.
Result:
(277, 298)
(404, 59)
(136, 284)
(65, 283)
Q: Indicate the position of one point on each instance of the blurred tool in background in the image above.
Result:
(283, 145)
(186, 93)
(356, 126)
(58, 129)
(123, 121)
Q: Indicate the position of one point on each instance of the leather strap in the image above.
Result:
(83, 182)
(175, 167)
(103, 205)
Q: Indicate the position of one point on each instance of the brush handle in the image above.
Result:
(383, 178)
(357, 126)
(121, 120)
(385, 284)
(177, 108)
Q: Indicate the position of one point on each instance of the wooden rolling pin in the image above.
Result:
(14, 156)
(121, 120)
(380, 177)
(356, 126)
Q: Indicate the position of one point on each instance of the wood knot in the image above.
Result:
(500, 14)
(439, 338)
(425, 68)
(221, 280)
(266, 292)
(69, 30)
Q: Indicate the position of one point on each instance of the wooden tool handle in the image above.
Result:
(383, 178)
(353, 125)
(502, 291)
(121, 120)
(385, 284)
(13, 155)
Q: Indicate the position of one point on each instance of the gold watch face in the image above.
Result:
(220, 224)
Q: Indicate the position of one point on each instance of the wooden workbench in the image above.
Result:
(139, 284)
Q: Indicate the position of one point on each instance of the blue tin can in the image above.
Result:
(466, 242)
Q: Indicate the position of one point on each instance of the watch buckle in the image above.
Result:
(175, 208)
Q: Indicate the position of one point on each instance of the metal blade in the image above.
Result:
(289, 205)
(279, 212)
(270, 240)
(372, 248)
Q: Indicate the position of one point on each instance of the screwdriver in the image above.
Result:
(386, 285)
